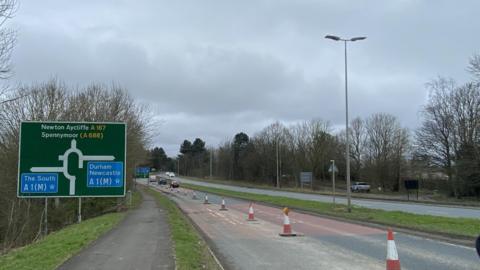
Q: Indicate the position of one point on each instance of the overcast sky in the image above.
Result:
(211, 69)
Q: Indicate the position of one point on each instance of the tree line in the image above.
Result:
(21, 219)
(444, 150)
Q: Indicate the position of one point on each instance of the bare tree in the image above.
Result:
(386, 144)
(52, 101)
(450, 132)
(474, 66)
(7, 42)
(358, 139)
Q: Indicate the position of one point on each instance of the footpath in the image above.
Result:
(141, 241)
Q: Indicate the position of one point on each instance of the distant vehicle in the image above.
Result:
(152, 178)
(170, 174)
(360, 186)
(174, 184)
(161, 180)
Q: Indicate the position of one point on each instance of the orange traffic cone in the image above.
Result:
(393, 263)
(250, 213)
(287, 228)
(223, 205)
(206, 200)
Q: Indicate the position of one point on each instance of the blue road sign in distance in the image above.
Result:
(39, 182)
(143, 170)
(105, 174)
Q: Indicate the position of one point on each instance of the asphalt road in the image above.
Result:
(141, 241)
(416, 208)
(326, 244)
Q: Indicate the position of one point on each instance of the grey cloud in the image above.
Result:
(213, 68)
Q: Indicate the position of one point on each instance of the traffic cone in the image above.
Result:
(393, 263)
(194, 196)
(251, 216)
(223, 205)
(287, 228)
(206, 200)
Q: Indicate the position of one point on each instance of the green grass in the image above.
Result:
(461, 227)
(191, 251)
(57, 247)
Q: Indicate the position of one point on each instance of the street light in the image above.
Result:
(347, 154)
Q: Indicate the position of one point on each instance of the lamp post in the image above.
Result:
(347, 154)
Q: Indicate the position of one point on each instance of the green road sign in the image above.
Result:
(72, 159)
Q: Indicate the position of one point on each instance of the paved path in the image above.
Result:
(326, 244)
(141, 241)
(416, 208)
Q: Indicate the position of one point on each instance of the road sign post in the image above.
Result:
(46, 216)
(71, 159)
(79, 209)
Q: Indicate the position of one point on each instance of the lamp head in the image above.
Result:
(333, 37)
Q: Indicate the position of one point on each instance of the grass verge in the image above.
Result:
(191, 252)
(453, 227)
(57, 247)
(326, 190)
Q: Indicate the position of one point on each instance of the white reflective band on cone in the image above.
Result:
(286, 220)
(392, 251)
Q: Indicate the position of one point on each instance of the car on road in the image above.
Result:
(170, 174)
(152, 178)
(162, 181)
(360, 187)
(174, 184)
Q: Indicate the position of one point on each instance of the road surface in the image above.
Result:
(326, 244)
(416, 208)
(141, 241)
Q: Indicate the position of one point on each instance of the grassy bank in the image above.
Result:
(437, 199)
(57, 247)
(191, 251)
(462, 227)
